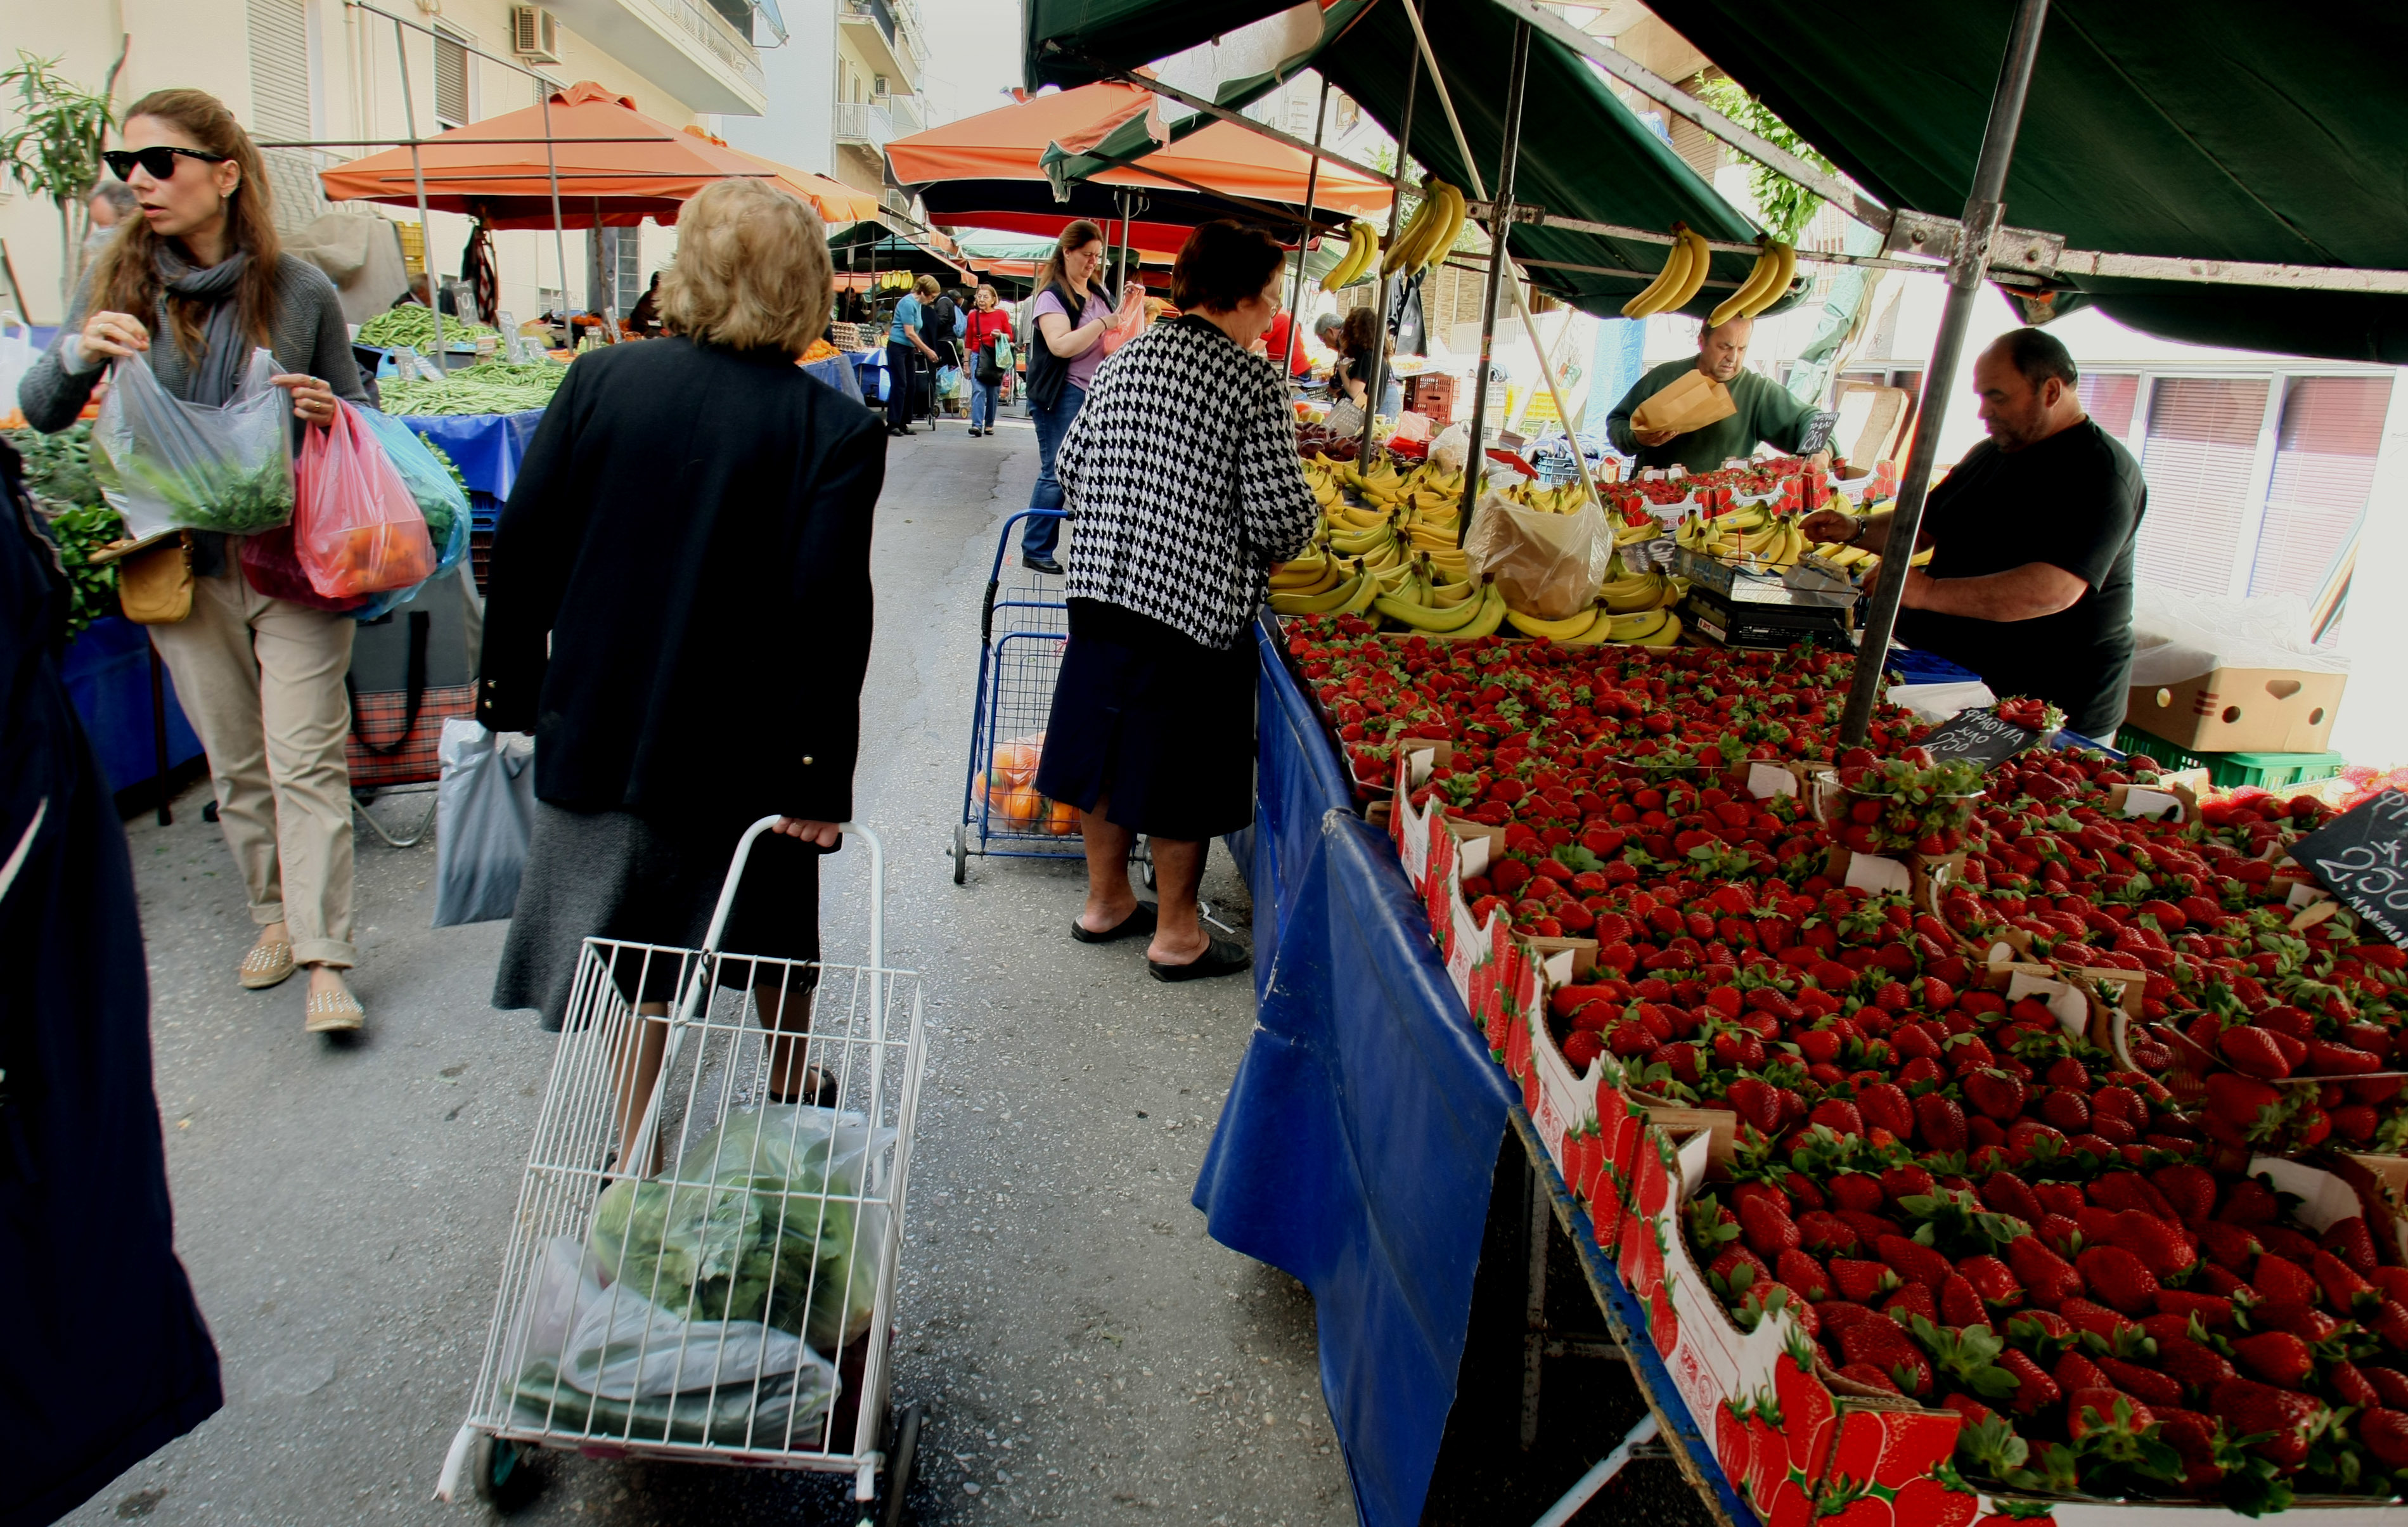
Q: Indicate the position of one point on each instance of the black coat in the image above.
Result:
(104, 1359)
(690, 533)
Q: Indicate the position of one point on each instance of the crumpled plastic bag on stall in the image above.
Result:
(1451, 448)
(2177, 636)
(164, 464)
(603, 1358)
(757, 1224)
(1550, 566)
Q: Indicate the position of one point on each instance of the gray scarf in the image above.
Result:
(226, 351)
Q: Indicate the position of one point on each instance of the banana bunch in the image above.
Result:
(1779, 544)
(1683, 272)
(1565, 499)
(1432, 233)
(1349, 595)
(1775, 268)
(1459, 611)
(1632, 593)
(1362, 248)
(1654, 626)
(1840, 555)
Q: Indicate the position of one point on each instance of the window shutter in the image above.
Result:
(2324, 470)
(2202, 441)
(279, 107)
(451, 81)
(2109, 397)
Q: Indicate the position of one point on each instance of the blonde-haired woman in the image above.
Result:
(685, 508)
(196, 280)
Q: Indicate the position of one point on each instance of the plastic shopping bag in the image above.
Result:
(355, 526)
(17, 357)
(441, 500)
(164, 464)
(485, 810)
(601, 1357)
(271, 565)
(1545, 565)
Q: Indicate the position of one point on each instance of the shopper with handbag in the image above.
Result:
(1072, 315)
(636, 607)
(989, 325)
(1183, 487)
(194, 282)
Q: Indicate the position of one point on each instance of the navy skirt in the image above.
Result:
(1158, 723)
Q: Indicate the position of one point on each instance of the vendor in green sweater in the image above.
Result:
(1766, 412)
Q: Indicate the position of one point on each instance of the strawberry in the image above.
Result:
(2229, 1245)
(2048, 1278)
(2061, 1234)
(1884, 1346)
(2384, 1433)
(1861, 1282)
(2277, 1357)
(1914, 1261)
(2250, 1201)
(1838, 1116)
(1769, 1230)
(2066, 1111)
(2390, 1383)
(2002, 1193)
(1728, 1268)
(2095, 1320)
(1916, 1299)
(2282, 1281)
(2287, 1244)
(1804, 1274)
(1869, 1227)
(2261, 1052)
(2186, 1360)
(1893, 997)
(2393, 1281)
(1871, 1377)
(1996, 1094)
(1992, 1280)
(2130, 1190)
(2248, 1409)
(1854, 1190)
(2344, 1289)
(1825, 1233)
(2075, 1371)
(1758, 1103)
(2193, 1438)
(1973, 1410)
(1837, 1315)
(2090, 1412)
(2353, 1243)
(2190, 1190)
(2220, 1282)
(2244, 1103)
(1940, 1121)
(2147, 1384)
(1884, 1106)
(2389, 1321)
(2214, 1311)
(2350, 1387)
(1959, 1305)
(1902, 1182)
(2058, 1198)
(2159, 1243)
(2035, 1390)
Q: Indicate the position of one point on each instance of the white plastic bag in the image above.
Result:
(2177, 637)
(485, 810)
(164, 464)
(1550, 566)
(1451, 449)
(17, 357)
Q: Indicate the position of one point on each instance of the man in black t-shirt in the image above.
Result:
(2031, 537)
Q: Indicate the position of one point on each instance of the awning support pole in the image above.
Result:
(1304, 238)
(1982, 211)
(559, 237)
(418, 173)
(1379, 378)
(1500, 269)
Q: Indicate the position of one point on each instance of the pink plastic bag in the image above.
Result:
(271, 566)
(355, 527)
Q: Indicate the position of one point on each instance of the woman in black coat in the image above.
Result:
(680, 611)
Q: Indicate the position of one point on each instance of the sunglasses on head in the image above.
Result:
(158, 163)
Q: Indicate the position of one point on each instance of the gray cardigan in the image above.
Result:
(309, 335)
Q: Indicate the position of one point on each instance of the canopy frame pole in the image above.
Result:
(1983, 210)
(1500, 261)
(1120, 276)
(1304, 240)
(1379, 378)
(1508, 153)
(418, 173)
(559, 237)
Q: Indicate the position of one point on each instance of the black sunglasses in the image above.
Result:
(158, 163)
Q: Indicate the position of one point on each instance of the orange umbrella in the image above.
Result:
(834, 200)
(616, 167)
(1009, 142)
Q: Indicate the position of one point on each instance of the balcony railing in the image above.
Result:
(898, 27)
(863, 122)
(718, 37)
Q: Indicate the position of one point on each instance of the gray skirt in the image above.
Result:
(617, 875)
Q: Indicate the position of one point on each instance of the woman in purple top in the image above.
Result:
(1072, 311)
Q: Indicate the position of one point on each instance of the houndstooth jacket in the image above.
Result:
(1182, 481)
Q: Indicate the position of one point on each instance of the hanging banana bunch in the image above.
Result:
(1450, 225)
(1362, 248)
(1683, 272)
(1775, 266)
(1438, 217)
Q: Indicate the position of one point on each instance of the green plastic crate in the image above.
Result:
(2231, 771)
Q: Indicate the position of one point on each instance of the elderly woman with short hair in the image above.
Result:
(686, 508)
(1183, 490)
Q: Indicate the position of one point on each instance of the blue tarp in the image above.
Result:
(107, 675)
(837, 372)
(486, 446)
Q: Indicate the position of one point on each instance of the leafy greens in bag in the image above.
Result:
(164, 464)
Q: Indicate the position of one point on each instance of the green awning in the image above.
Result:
(2207, 129)
(1583, 154)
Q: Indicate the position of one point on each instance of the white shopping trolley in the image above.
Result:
(736, 1304)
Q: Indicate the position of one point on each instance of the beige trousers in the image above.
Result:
(262, 682)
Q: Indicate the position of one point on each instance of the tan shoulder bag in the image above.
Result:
(154, 578)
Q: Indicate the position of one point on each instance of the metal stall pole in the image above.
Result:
(559, 237)
(1120, 280)
(1982, 211)
(1499, 265)
(1379, 378)
(1304, 236)
(418, 173)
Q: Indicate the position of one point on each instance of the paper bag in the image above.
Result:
(1550, 566)
(1690, 404)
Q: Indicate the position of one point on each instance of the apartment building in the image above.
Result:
(848, 82)
(328, 73)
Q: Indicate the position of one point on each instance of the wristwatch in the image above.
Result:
(1858, 533)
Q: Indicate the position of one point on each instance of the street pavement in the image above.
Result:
(1086, 1353)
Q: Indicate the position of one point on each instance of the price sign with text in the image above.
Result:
(1981, 737)
(2363, 858)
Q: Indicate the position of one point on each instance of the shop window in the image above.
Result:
(2109, 397)
(2202, 447)
(451, 81)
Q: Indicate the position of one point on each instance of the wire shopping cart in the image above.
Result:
(1023, 623)
(734, 1305)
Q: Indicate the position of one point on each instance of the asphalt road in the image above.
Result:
(1086, 1353)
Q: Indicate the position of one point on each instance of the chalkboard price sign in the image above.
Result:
(1981, 737)
(2363, 858)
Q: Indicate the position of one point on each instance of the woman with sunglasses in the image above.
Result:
(194, 282)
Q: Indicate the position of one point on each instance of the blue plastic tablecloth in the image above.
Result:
(107, 674)
(486, 446)
(837, 372)
(873, 388)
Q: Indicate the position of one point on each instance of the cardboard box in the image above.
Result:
(2241, 710)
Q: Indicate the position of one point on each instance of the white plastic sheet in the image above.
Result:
(2177, 636)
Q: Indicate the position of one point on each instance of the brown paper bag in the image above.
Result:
(1688, 405)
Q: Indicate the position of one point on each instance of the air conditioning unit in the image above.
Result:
(534, 34)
